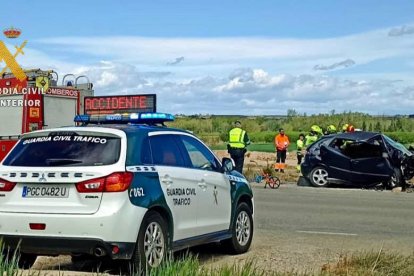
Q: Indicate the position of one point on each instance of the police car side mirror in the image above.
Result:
(227, 164)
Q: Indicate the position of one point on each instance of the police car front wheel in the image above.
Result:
(241, 230)
(152, 244)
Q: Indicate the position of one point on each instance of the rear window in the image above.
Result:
(65, 150)
(315, 147)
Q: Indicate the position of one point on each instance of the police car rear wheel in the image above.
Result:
(152, 242)
(241, 230)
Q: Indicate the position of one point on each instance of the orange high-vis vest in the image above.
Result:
(281, 142)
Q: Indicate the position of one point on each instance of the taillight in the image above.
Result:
(116, 182)
(6, 186)
(91, 186)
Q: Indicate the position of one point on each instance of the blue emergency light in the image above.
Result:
(132, 118)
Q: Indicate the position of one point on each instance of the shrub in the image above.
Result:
(402, 137)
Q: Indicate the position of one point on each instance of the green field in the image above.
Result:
(214, 129)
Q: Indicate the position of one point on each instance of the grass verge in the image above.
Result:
(8, 263)
(362, 263)
(190, 265)
(372, 263)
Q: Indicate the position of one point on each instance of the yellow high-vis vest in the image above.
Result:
(236, 138)
(300, 144)
(309, 139)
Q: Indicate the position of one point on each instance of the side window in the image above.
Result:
(200, 156)
(346, 147)
(357, 150)
(337, 144)
(315, 148)
(165, 151)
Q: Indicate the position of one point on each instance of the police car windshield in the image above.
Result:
(65, 150)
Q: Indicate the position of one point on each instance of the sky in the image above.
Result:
(228, 57)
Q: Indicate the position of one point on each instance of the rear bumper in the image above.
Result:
(305, 169)
(56, 246)
(117, 223)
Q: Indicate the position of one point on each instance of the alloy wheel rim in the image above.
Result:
(154, 245)
(320, 177)
(243, 228)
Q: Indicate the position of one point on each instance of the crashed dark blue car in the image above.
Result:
(358, 158)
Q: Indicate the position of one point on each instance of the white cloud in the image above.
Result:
(242, 75)
(244, 80)
(107, 78)
(255, 91)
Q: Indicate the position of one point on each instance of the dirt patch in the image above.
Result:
(255, 162)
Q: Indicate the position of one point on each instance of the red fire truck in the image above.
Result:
(38, 102)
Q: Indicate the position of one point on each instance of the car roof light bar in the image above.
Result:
(127, 118)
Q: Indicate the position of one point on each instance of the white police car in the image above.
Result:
(128, 190)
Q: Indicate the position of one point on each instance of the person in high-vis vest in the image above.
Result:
(313, 135)
(300, 147)
(345, 128)
(281, 145)
(331, 129)
(238, 141)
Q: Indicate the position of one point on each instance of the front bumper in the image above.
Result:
(56, 246)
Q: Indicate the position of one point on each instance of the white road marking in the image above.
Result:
(327, 233)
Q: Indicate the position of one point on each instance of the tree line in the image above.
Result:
(214, 128)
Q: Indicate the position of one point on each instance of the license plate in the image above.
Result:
(45, 191)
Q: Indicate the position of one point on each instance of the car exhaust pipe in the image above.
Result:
(99, 252)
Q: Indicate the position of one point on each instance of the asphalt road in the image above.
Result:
(303, 228)
(385, 215)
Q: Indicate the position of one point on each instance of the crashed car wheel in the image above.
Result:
(319, 177)
(396, 179)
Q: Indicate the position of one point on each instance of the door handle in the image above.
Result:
(166, 180)
(202, 184)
